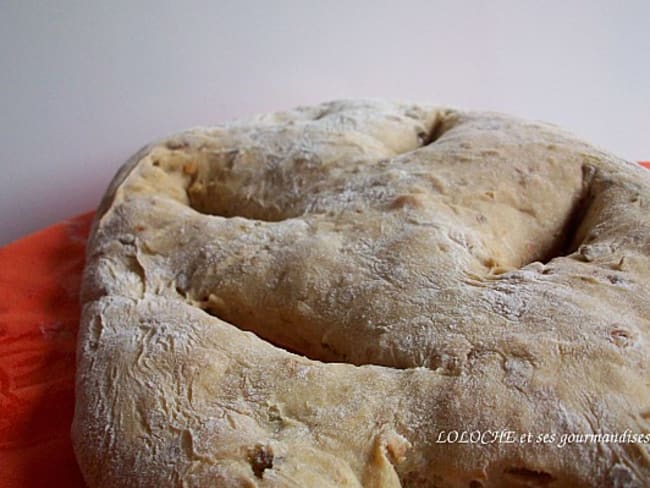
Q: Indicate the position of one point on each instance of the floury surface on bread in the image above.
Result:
(368, 294)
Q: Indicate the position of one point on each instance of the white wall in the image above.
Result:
(86, 83)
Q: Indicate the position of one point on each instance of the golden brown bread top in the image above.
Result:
(490, 273)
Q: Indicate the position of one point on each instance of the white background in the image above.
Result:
(86, 83)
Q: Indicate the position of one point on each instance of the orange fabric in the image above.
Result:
(39, 316)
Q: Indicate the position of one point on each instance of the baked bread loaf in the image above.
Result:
(364, 293)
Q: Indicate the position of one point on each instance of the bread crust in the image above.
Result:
(316, 297)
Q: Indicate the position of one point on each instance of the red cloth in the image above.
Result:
(39, 317)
